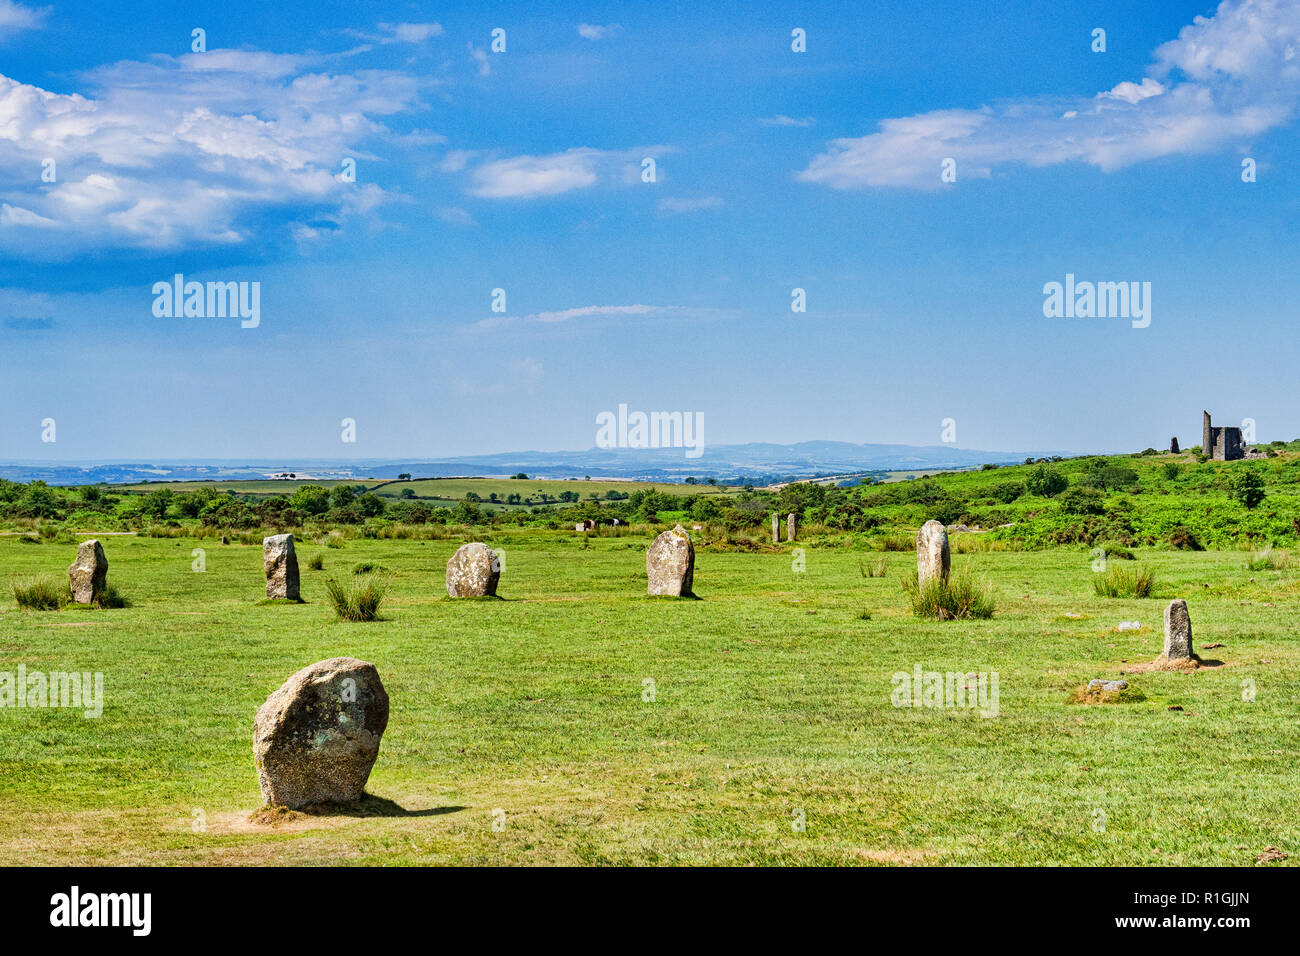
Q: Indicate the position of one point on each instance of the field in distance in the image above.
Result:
(442, 489)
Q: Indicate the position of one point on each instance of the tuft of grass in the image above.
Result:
(1125, 583)
(1269, 560)
(333, 540)
(41, 594)
(877, 570)
(367, 567)
(316, 562)
(959, 598)
(360, 600)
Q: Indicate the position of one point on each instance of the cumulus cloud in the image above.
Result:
(528, 177)
(782, 120)
(15, 18)
(187, 150)
(1223, 78)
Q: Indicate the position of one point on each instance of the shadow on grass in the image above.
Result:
(368, 806)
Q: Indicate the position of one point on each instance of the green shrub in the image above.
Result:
(1113, 549)
(1046, 482)
(1248, 488)
(316, 562)
(1083, 500)
(1125, 583)
(1183, 539)
(360, 600)
(41, 594)
(955, 599)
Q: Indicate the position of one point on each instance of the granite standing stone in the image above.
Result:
(932, 554)
(670, 564)
(281, 564)
(473, 571)
(88, 575)
(790, 521)
(316, 738)
(776, 527)
(1178, 631)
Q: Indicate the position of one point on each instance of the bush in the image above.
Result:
(1125, 583)
(1183, 539)
(1248, 488)
(316, 562)
(1046, 482)
(1113, 549)
(957, 598)
(41, 594)
(360, 600)
(1083, 501)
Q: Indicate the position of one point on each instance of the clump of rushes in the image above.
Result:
(957, 598)
(360, 600)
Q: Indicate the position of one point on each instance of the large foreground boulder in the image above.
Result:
(932, 555)
(88, 575)
(316, 738)
(473, 571)
(1178, 631)
(670, 563)
(281, 567)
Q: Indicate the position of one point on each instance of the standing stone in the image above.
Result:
(316, 738)
(88, 575)
(281, 565)
(1173, 446)
(670, 564)
(1178, 631)
(932, 554)
(776, 527)
(790, 521)
(473, 571)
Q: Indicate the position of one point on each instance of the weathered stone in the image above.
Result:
(1178, 631)
(932, 554)
(1097, 685)
(776, 527)
(791, 520)
(1173, 446)
(281, 564)
(670, 564)
(88, 575)
(225, 540)
(316, 738)
(473, 571)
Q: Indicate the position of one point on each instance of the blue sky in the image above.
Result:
(521, 170)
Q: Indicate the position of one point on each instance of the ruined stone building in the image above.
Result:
(1221, 442)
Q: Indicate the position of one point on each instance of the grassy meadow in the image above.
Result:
(521, 731)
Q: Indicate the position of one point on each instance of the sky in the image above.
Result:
(525, 169)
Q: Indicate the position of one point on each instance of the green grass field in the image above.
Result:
(772, 704)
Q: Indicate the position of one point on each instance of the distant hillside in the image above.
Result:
(756, 462)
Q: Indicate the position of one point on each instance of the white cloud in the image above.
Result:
(480, 57)
(1224, 78)
(782, 120)
(592, 31)
(410, 32)
(675, 206)
(185, 150)
(528, 177)
(14, 18)
(456, 216)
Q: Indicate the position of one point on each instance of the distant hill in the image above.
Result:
(758, 462)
